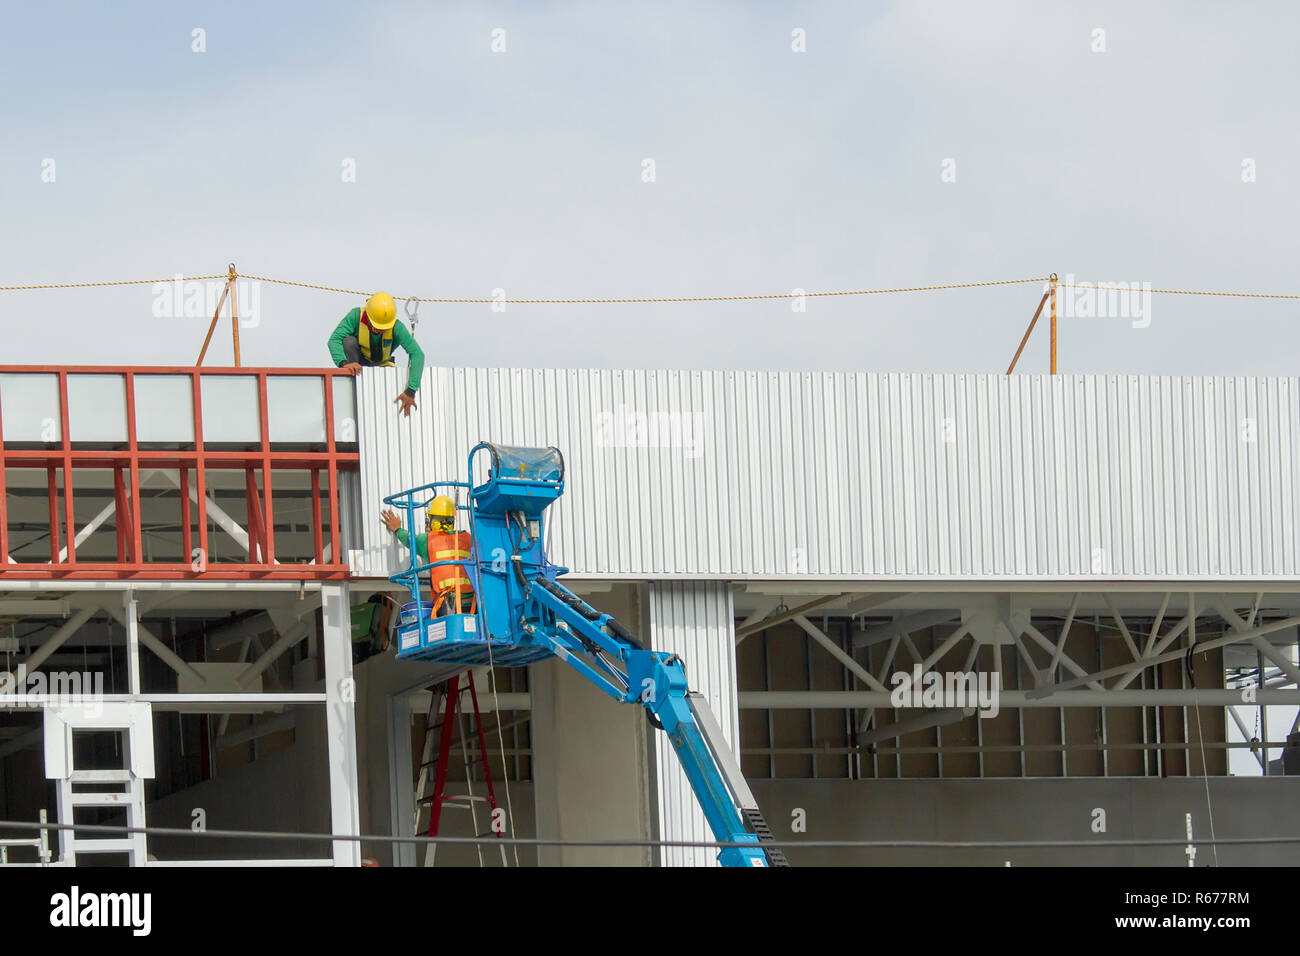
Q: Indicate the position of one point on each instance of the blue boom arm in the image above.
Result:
(524, 614)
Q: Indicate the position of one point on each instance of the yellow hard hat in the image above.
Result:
(381, 310)
(442, 507)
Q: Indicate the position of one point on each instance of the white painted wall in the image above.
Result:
(695, 621)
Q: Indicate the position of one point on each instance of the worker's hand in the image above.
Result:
(390, 520)
(353, 367)
(406, 401)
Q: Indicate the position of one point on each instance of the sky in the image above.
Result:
(455, 149)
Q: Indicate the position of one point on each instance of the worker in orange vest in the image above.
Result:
(452, 591)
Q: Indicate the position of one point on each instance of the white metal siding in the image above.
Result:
(696, 621)
(907, 476)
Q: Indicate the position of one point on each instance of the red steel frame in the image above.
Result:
(191, 464)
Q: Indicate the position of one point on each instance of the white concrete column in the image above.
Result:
(132, 624)
(696, 621)
(340, 721)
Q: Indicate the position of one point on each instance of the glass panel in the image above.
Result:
(296, 408)
(164, 409)
(530, 464)
(30, 406)
(345, 409)
(97, 408)
(230, 409)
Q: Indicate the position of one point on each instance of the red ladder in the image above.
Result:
(444, 702)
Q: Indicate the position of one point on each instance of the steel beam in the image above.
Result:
(1123, 628)
(216, 513)
(1265, 648)
(57, 639)
(948, 643)
(837, 699)
(782, 617)
(1131, 673)
(903, 625)
(296, 633)
(1162, 658)
(834, 649)
(34, 608)
(910, 725)
(149, 640)
(1059, 654)
(90, 528)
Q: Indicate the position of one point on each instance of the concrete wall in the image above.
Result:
(592, 780)
(591, 760)
(1042, 809)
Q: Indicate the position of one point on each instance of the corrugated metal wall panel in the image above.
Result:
(770, 475)
(695, 620)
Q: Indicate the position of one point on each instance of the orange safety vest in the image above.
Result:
(449, 547)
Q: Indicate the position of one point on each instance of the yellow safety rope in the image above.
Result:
(86, 285)
(688, 298)
(1112, 287)
(634, 299)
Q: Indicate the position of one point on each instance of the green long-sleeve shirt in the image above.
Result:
(401, 337)
(421, 543)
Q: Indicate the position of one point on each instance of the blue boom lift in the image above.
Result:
(523, 614)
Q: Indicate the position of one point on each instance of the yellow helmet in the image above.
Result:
(442, 507)
(381, 310)
(441, 515)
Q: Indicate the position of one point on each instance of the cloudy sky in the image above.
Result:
(908, 144)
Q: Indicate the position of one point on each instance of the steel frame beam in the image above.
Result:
(818, 635)
(129, 463)
(836, 699)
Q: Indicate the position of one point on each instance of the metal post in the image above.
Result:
(215, 317)
(767, 685)
(234, 317)
(860, 725)
(1263, 717)
(1020, 717)
(1101, 711)
(1146, 735)
(1053, 323)
(1029, 331)
(812, 714)
(938, 728)
(132, 623)
(846, 680)
(340, 721)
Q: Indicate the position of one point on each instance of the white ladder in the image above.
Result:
(128, 794)
(120, 787)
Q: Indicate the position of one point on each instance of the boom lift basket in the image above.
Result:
(506, 515)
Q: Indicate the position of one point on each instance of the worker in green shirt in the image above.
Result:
(366, 336)
(440, 542)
